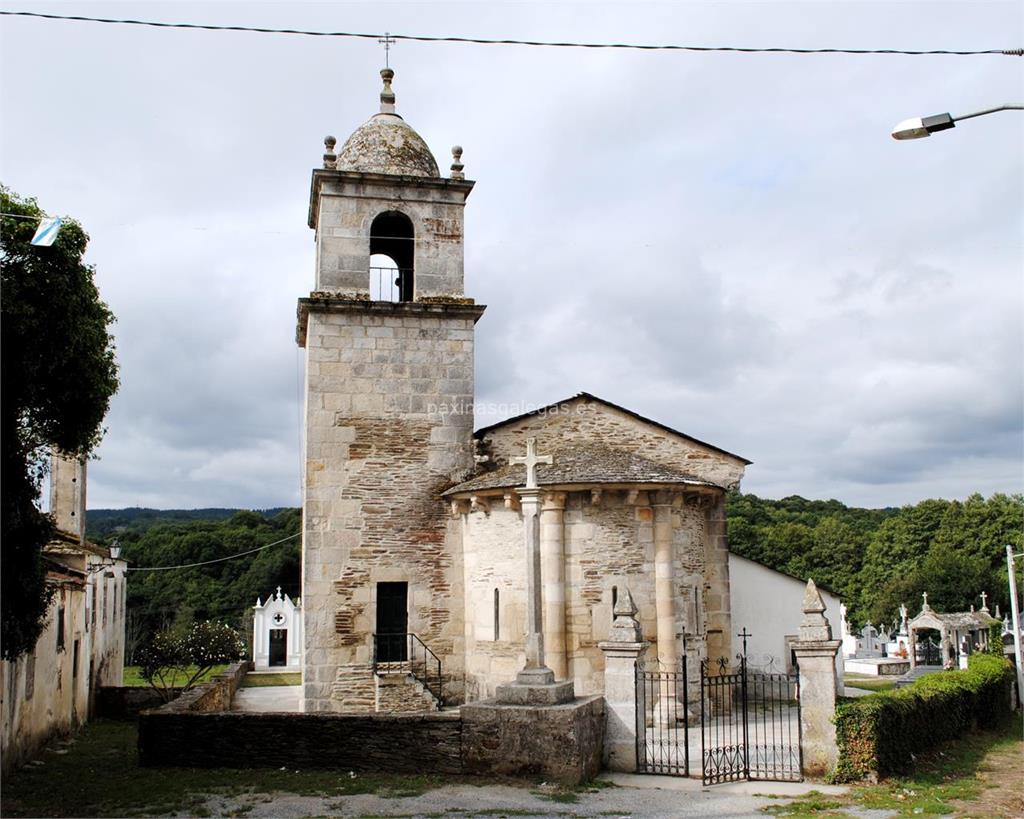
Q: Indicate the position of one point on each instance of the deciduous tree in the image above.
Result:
(58, 377)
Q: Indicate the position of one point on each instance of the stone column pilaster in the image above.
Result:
(718, 609)
(816, 656)
(622, 653)
(664, 580)
(552, 572)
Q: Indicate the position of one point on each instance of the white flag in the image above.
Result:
(49, 227)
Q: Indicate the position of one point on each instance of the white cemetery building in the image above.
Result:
(277, 633)
(767, 604)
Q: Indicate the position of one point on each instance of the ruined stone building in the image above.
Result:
(413, 565)
(51, 689)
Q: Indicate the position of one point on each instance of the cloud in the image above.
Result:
(730, 244)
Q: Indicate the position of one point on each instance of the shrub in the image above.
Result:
(176, 659)
(880, 733)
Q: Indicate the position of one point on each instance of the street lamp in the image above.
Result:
(918, 127)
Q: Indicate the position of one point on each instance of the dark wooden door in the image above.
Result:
(278, 646)
(392, 621)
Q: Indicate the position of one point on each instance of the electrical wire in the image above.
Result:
(1014, 52)
(208, 562)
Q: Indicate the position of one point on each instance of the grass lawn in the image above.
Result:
(869, 683)
(276, 678)
(134, 678)
(978, 775)
(97, 774)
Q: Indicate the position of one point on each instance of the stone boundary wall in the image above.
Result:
(212, 696)
(375, 742)
(124, 702)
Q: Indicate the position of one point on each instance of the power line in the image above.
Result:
(208, 562)
(423, 38)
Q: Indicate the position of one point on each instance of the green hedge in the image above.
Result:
(879, 734)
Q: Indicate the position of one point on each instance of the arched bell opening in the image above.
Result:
(392, 254)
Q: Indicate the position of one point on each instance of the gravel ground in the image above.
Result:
(662, 797)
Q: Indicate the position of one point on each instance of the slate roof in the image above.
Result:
(584, 464)
(958, 620)
(586, 396)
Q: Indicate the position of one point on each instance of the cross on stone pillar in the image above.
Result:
(535, 684)
(536, 671)
(984, 601)
(530, 460)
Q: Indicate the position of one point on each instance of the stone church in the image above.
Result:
(414, 573)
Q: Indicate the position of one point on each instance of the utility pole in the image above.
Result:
(1015, 624)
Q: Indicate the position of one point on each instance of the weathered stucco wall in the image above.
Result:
(43, 695)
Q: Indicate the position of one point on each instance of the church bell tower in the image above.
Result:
(389, 335)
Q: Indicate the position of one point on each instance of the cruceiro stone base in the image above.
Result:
(518, 693)
(560, 742)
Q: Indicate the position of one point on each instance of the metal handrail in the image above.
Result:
(388, 281)
(414, 657)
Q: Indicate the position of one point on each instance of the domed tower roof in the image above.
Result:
(386, 143)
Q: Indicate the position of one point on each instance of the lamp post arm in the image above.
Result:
(989, 111)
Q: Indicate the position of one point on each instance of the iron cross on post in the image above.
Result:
(744, 634)
(531, 459)
(387, 40)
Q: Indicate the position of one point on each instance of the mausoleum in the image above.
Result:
(277, 633)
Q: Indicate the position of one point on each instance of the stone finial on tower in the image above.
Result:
(457, 166)
(387, 96)
(814, 626)
(330, 158)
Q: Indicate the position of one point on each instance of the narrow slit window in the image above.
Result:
(497, 615)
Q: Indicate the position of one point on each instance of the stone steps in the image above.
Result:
(399, 692)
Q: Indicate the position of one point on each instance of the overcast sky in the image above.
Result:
(730, 244)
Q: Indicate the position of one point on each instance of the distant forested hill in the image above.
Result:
(877, 558)
(102, 523)
(874, 558)
(222, 590)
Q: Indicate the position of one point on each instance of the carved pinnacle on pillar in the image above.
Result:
(815, 625)
(625, 628)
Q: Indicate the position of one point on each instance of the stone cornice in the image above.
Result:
(603, 489)
(379, 180)
(329, 303)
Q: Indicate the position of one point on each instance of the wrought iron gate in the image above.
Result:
(662, 729)
(750, 724)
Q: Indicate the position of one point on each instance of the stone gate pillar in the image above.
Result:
(816, 656)
(622, 651)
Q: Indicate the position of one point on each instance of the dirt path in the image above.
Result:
(1002, 776)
